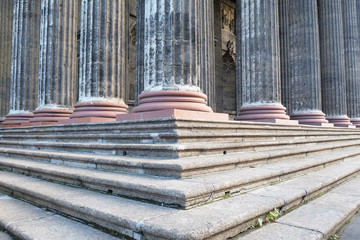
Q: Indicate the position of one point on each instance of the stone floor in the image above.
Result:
(351, 231)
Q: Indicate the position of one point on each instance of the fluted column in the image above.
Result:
(139, 61)
(332, 62)
(351, 43)
(260, 61)
(58, 62)
(103, 60)
(176, 54)
(302, 62)
(24, 61)
(6, 21)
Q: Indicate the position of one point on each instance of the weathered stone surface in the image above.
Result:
(5, 236)
(58, 62)
(351, 230)
(28, 222)
(333, 82)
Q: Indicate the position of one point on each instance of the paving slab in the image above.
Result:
(351, 231)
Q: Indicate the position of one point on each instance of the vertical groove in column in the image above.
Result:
(260, 61)
(103, 60)
(351, 43)
(24, 60)
(139, 61)
(284, 50)
(57, 61)
(332, 61)
(303, 79)
(6, 21)
(178, 54)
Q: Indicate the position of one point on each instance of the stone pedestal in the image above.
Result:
(103, 61)
(178, 46)
(260, 63)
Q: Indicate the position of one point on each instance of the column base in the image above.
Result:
(176, 113)
(15, 120)
(95, 112)
(182, 100)
(355, 122)
(341, 122)
(49, 116)
(268, 113)
(313, 119)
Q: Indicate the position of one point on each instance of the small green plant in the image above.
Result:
(114, 233)
(227, 195)
(273, 215)
(260, 222)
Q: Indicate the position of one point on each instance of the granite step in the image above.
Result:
(5, 236)
(181, 193)
(170, 150)
(217, 220)
(318, 219)
(176, 168)
(27, 222)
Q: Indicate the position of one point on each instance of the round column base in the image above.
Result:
(310, 118)
(98, 110)
(355, 122)
(17, 119)
(340, 121)
(50, 115)
(262, 113)
(164, 100)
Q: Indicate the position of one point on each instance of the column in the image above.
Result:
(103, 61)
(351, 44)
(178, 45)
(58, 63)
(139, 61)
(302, 62)
(332, 62)
(260, 62)
(24, 61)
(6, 20)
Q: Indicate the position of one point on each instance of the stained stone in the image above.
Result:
(352, 74)
(301, 61)
(24, 61)
(260, 61)
(58, 63)
(333, 82)
(103, 60)
(178, 55)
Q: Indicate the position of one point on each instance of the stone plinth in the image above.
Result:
(17, 119)
(49, 117)
(341, 121)
(314, 119)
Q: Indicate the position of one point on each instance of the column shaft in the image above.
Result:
(58, 62)
(332, 62)
(103, 60)
(302, 61)
(178, 55)
(351, 44)
(24, 61)
(260, 61)
(6, 21)
(140, 25)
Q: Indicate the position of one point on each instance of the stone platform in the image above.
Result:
(175, 178)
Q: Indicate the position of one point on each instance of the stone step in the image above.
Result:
(183, 193)
(318, 219)
(26, 221)
(172, 150)
(218, 220)
(5, 236)
(176, 168)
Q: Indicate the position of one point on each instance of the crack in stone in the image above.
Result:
(30, 219)
(304, 228)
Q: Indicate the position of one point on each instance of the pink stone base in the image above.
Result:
(314, 119)
(355, 122)
(88, 120)
(341, 122)
(162, 100)
(95, 112)
(271, 114)
(16, 120)
(177, 113)
(49, 116)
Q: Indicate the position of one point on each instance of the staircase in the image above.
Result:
(175, 179)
